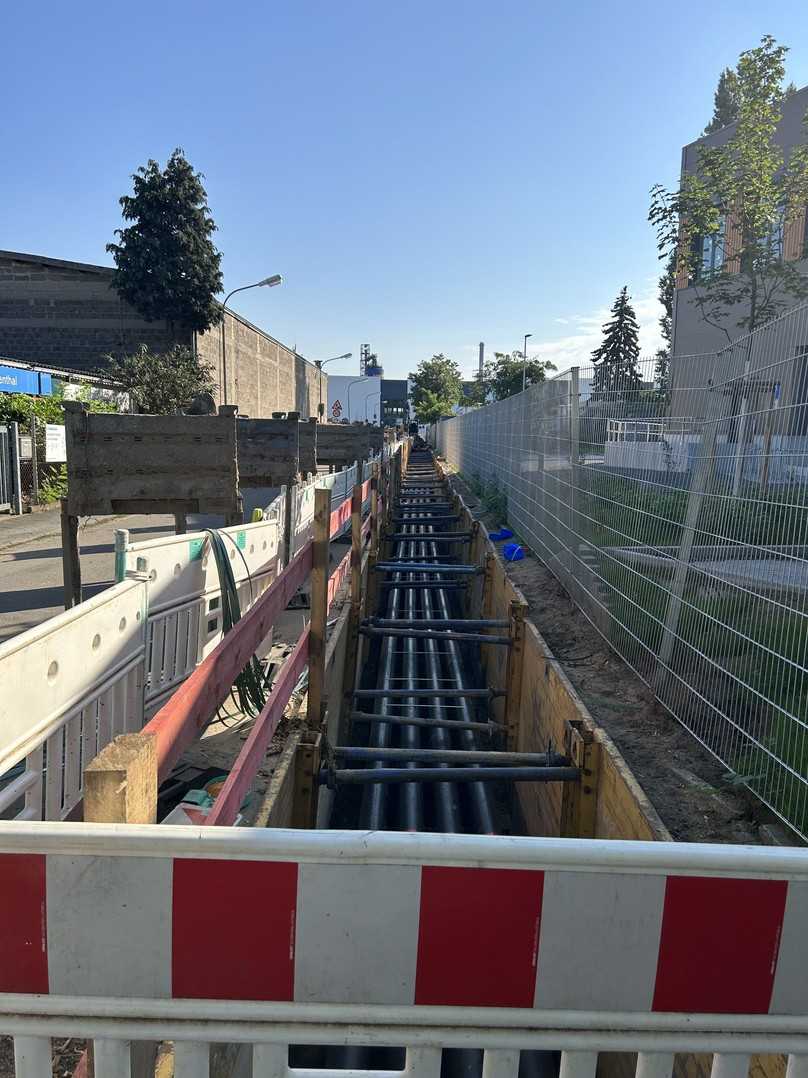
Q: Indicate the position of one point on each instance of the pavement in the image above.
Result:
(31, 561)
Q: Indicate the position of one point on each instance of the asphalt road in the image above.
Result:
(31, 562)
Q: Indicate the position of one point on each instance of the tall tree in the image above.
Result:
(502, 376)
(725, 101)
(166, 264)
(435, 388)
(615, 360)
(732, 220)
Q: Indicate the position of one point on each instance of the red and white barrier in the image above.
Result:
(438, 921)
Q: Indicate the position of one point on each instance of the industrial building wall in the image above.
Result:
(64, 314)
(67, 315)
(263, 376)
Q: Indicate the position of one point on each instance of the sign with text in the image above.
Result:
(55, 447)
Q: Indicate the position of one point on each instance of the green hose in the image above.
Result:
(251, 683)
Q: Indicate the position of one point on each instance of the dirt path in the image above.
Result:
(684, 783)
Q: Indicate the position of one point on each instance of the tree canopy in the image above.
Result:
(162, 383)
(502, 376)
(166, 264)
(615, 359)
(435, 388)
(725, 101)
(732, 220)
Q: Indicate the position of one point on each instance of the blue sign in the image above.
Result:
(17, 380)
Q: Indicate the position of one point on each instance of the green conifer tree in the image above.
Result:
(166, 264)
(616, 359)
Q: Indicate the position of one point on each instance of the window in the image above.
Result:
(773, 240)
(712, 249)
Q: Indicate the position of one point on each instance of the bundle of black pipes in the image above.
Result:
(429, 756)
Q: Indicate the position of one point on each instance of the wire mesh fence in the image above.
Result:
(673, 508)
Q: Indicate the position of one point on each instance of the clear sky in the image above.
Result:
(425, 174)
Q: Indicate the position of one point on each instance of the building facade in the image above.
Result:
(691, 334)
(67, 315)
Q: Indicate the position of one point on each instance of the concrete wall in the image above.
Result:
(67, 315)
(263, 376)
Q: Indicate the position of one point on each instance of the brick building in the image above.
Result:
(67, 315)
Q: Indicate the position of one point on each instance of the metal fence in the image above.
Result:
(674, 510)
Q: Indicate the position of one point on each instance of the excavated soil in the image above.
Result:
(684, 783)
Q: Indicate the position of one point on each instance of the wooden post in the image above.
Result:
(579, 800)
(513, 677)
(71, 566)
(315, 708)
(180, 523)
(356, 549)
(307, 771)
(374, 508)
(120, 784)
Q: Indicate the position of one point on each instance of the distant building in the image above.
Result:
(395, 405)
(691, 334)
(66, 315)
(353, 399)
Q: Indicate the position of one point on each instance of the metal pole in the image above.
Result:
(16, 478)
(34, 465)
(396, 775)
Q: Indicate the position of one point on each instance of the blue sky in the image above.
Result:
(425, 175)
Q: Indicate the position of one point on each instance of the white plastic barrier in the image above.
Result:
(341, 484)
(185, 621)
(67, 688)
(414, 940)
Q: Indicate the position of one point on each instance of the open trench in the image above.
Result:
(424, 752)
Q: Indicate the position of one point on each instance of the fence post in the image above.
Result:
(288, 520)
(315, 705)
(71, 565)
(34, 465)
(575, 450)
(121, 544)
(698, 488)
(16, 478)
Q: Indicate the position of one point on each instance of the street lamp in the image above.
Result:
(368, 397)
(268, 282)
(524, 362)
(364, 378)
(319, 364)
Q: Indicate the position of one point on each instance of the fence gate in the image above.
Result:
(5, 468)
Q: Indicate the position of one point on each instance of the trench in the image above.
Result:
(423, 752)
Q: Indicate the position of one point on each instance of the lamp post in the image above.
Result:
(367, 398)
(319, 364)
(364, 378)
(268, 282)
(524, 362)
